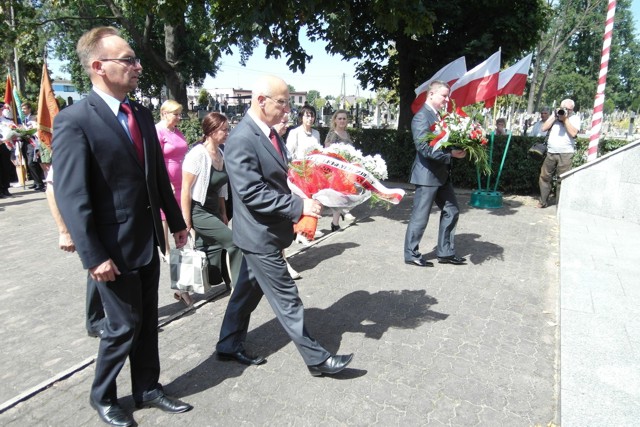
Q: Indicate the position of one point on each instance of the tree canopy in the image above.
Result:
(174, 38)
(397, 44)
(569, 56)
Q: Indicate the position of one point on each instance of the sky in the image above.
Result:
(324, 72)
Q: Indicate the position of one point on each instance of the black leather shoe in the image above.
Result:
(242, 357)
(111, 414)
(335, 227)
(453, 259)
(419, 263)
(166, 404)
(31, 187)
(332, 365)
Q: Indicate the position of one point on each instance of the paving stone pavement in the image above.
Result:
(443, 346)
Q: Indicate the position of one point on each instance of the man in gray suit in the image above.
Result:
(430, 174)
(264, 211)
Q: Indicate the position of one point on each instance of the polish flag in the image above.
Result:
(512, 80)
(450, 73)
(478, 84)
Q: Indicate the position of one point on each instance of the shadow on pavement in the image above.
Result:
(357, 312)
(309, 260)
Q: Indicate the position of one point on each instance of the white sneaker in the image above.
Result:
(318, 234)
(294, 274)
(348, 217)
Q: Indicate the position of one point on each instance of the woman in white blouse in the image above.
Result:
(205, 189)
(304, 138)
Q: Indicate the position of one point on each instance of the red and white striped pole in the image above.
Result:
(596, 122)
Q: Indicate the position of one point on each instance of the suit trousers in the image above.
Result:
(35, 171)
(130, 329)
(445, 199)
(94, 310)
(266, 274)
(554, 163)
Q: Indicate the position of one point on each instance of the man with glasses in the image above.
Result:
(563, 127)
(111, 183)
(264, 214)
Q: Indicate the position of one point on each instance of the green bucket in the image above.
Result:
(486, 199)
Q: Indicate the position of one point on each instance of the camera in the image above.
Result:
(561, 112)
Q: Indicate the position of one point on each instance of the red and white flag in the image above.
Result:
(512, 80)
(478, 84)
(450, 73)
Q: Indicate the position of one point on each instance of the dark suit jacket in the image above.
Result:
(430, 167)
(264, 210)
(109, 202)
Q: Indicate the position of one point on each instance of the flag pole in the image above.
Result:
(596, 123)
(504, 157)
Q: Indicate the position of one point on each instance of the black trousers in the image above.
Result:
(35, 170)
(95, 312)
(7, 170)
(130, 330)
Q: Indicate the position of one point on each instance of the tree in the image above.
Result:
(203, 98)
(567, 18)
(22, 46)
(399, 44)
(174, 38)
(571, 63)
(312, 95)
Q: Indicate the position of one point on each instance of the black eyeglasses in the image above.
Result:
(131, 60)
(281, 102)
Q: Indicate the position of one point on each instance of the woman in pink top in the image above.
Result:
(174, 147)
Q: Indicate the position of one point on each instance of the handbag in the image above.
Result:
(539, 149)
(189, 269)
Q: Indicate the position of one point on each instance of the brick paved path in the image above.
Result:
(450, 345)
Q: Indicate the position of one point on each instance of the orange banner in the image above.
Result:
(47, 108)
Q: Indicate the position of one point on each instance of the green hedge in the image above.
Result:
(519, 175)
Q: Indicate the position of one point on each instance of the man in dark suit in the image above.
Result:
(111, 183)
(264, 211)
(430, 174)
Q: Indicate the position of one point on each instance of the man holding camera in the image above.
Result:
(563, 128)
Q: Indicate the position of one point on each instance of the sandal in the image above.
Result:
(541, 205)
(184, 297)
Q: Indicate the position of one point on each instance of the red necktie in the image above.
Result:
(134, 131)
(274, 140)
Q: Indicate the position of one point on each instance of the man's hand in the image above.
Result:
(312, 208)
(180, 238)
(105, 272)
(65, 242)
(458, 154)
